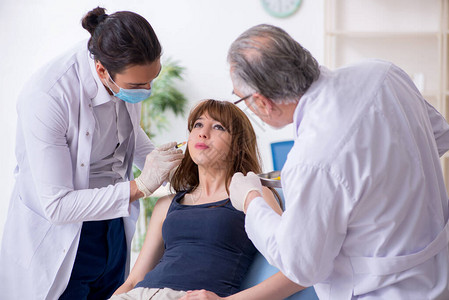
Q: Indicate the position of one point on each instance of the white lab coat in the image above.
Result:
(366, 205)
(51, 198)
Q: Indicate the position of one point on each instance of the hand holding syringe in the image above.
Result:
(180, 145)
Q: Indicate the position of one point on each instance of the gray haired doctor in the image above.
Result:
(366, 206)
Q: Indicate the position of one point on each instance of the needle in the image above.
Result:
(180, 145)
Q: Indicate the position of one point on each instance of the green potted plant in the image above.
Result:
(164, 97)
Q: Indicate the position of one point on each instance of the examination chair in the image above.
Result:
(260, 270)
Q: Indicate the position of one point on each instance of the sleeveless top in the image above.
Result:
(206, 247)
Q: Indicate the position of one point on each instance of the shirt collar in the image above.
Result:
(310, 94)
(298, 115)
(102, 94)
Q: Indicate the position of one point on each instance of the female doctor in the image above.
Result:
(73, 211)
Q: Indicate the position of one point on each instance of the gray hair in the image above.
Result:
(267, 60)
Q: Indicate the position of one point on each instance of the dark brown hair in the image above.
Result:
(120, 40)
(243, 154)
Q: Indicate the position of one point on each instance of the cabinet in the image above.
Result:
(413, 34)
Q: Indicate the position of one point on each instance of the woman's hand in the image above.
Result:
(124, 288)
(200, 295)
(158, 165)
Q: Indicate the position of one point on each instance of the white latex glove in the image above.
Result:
(158, 165)
(241, 186)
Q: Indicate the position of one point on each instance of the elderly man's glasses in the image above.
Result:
(241, 99)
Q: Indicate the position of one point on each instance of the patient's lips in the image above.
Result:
(201, 146)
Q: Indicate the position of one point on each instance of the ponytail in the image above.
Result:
(93, 18)
(120, 40)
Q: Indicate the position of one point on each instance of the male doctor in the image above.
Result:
(74, 206)
(366, 207)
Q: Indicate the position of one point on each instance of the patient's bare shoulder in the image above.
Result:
(271, 200)
(162, 205)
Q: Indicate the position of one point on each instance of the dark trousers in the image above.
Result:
(100, 261)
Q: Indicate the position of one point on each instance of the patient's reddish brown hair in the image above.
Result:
(243, 152)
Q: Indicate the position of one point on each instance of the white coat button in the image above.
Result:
(82, 164)
(87, 133)
(90, 105)
(63, 251)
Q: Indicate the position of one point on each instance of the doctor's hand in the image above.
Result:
(240, 188)
(200, 295)
(158, 165)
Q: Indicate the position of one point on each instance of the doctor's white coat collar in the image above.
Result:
(102, 94)
(310, 94)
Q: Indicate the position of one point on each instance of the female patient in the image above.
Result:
(196, 239)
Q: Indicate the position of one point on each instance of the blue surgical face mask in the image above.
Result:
(130, 95)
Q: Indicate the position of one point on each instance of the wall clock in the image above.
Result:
(281, 8)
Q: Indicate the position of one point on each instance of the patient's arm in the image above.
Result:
(152, 249)
(275, 287)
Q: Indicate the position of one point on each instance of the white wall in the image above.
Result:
(197, 33)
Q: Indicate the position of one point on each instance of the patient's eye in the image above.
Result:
(197, 124)
(219, 127)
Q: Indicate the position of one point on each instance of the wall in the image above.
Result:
(197, 33)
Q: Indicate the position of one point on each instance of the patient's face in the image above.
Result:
(209, 142)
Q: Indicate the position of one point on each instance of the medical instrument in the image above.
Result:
(271, 179)
(180, 145)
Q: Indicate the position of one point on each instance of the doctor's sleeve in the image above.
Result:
(43, 123)
(305, 240)
(440, 129)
